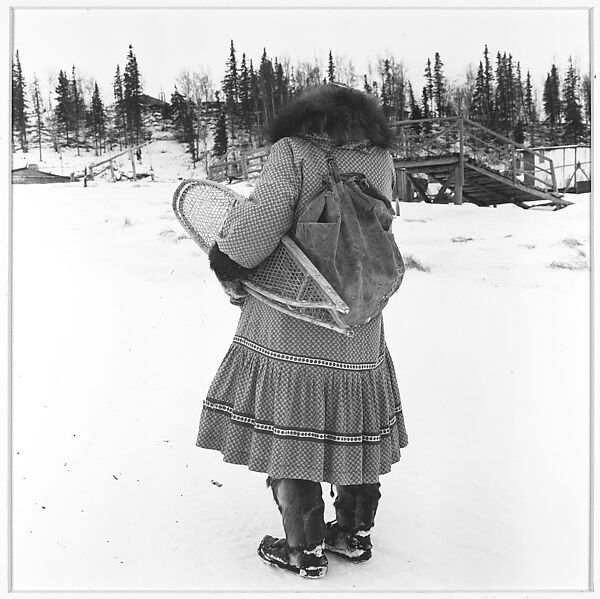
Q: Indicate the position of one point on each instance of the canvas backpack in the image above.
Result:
(345, 230)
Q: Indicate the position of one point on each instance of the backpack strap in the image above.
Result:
(332, 166)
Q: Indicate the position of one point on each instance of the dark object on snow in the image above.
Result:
(355, 508)
(31, 174)
(308, 563)
(300, 503)
(355, 547)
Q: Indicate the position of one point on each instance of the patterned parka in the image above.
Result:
(292, 399)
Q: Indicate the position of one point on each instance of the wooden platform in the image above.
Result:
(470, 163)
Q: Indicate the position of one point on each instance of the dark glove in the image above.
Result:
(235, 290)
(230, 274)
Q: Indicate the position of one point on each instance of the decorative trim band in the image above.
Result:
(306, 434)
(307, 360)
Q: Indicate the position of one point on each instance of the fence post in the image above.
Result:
(404, 187)
(514, 163)
(459, 177)
(112, 172)
(244, 163)
(528, 168)
(132, 158)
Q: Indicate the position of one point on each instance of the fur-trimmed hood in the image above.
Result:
(342, 113)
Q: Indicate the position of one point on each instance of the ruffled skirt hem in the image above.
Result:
(304, 421)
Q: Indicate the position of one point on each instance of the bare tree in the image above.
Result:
(198, 89)
(345, 71)
(38, 111)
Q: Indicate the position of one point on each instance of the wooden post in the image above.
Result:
(458, 185)
(112, 171)
(459, 177)
(553, 173)
(528, 168)
(85, 176)
(132, 158)
(404, 188)
(244, 164)
(396, 193)
(514, 163)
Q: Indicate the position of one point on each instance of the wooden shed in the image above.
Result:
(31, 174)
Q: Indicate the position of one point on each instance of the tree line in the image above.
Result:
(235, 115)
(76, 116)
(500, 96)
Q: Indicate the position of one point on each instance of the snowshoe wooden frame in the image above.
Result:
(287, 280)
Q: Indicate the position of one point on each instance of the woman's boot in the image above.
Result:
(349, 535)
(301, 506)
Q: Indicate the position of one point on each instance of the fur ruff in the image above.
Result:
(224, 267)
(344, 114)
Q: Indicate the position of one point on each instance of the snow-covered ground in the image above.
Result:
(119, 327)
(163, 156)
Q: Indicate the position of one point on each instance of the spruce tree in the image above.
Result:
(488, 89)
(230, 87)
(330, 69)
(429, 86)
(519, 94)
(132, 99)
(266, 79)
(255, 94)
(245, 97)
(19, 104)
(386, 88)
(519, 132)
(511, 92)
(529, 108)
(439, 86)
(63, 109)
(499, 112)
(38, 111)
(77, 109)
(98, 120)
(119, 106)
(220, 133)
(477, 107)
(280, 86)
(415, 110)
(366, 87)
(182, 117)
(551, 101)
(573, 121)
(586, 92)
(425, 102)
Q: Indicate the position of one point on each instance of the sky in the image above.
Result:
(167, 41)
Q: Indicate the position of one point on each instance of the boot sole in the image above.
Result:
(358, 559)
(309, 573)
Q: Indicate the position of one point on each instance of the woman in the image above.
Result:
(302, 403)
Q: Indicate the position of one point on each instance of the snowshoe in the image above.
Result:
(355, 547)
(308, 563)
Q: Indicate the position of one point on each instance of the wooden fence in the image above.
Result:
(239, 165)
